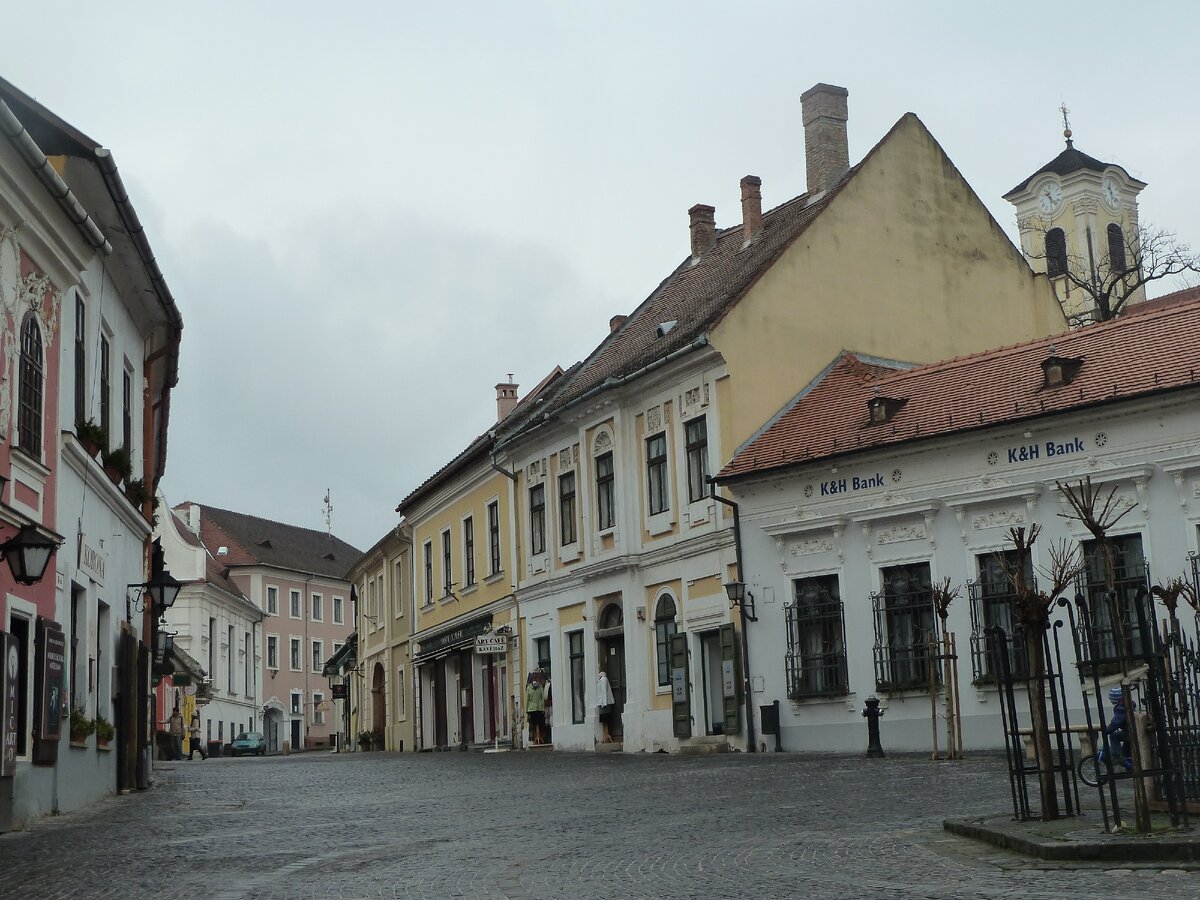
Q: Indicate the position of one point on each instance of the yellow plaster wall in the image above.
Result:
(570, 615)
(905, 263)
(706, 587)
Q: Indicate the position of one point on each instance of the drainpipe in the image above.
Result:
(516, 675)
(751, 737)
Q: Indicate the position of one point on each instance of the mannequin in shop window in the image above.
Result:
(605, 705)
(535, 706)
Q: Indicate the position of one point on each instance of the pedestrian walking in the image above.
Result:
(175, 727)
(194, 735)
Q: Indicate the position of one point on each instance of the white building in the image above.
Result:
(880, 481)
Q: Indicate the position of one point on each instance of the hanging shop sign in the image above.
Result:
(91, 560)
(491, 643)
(339, 691)
(52, 669)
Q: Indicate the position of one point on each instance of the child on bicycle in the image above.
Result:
(1119, 726)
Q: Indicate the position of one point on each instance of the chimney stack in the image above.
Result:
(506, 398)
(616, 322)
(703, 227)
(751, 206)
(826, 152)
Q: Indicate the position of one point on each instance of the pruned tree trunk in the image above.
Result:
(1040, 724)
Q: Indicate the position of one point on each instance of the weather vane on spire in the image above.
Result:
(328, 514)
(1066, 122)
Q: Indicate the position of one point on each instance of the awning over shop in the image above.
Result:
(453, 639)
(345, 658)
(185, 669)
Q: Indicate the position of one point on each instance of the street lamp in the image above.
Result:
(28, 554)
(740, 598)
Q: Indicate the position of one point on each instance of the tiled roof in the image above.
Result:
(1131, 356)
(255, 541)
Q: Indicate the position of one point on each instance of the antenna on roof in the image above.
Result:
(328, 515)
(1066, 122)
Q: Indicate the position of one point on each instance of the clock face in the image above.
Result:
(1112, 192)
(1049, 197)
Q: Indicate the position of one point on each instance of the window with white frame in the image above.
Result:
(318, 714)
(273, 651)
(272, 600)
(295, 654)
(664, 630)
(297, 702)
(468, 551)
(401, 710)
(318, 655)
(295, 604)
(656, 473)
(31, 388)
(427, 549)
(317, 611)
(339, 611)
(447, 570)
(566, 509)
(493, 514)
(606, 496)
(537, 519)
(696, 440)
(398, 589)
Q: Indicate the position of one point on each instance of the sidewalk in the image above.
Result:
(1082, 837)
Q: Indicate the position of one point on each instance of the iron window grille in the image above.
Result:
(656, 473)
(696, 437)
(537, 519)
(566, 508)
(605, 492)
(992, 600)
(904, 626)
(664, 629)
(816, 640)
(29, 430)
(1131, 575)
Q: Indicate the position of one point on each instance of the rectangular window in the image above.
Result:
(295, 604)
(401, 710)
(127, 410)
(904, 625)
(317, 610)
(428, 548)
(249, 667)
(578, 681)
(816, 639)
(541, 648)
(81, 415)
(696, 434)
(399, 587)
(212, 648)
(566, 508)
(318, 716)
(105, 389)
(656, 473)
(295, 660)
(272, 652)
(468, 551)
(992, 598)
(605, 492)
(339, 611)
(272, 601)
(494, 537)
(232, 650)
(296, 700)
(318, 655)
(1129, 575)
(537, 519)
(447, 574)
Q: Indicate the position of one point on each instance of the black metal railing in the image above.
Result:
(816, 641)
(992, 603)
(905, 623)
(1115, 629)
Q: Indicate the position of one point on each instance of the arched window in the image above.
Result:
(29, 420)
(1116, 249)
(611, 617)
(664, 628)
(1056, 252)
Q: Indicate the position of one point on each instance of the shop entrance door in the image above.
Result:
(714, 698)
(296, 734)
(437, 687)
(612, 660)
(466, 706)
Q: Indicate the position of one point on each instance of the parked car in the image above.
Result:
(249, 742)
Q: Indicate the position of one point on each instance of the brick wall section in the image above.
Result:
(703, 227)
(751, 206)
(826, 152)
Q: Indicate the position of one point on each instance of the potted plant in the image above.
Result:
(117, 464)
(104, 731)
(91, 436)
(137, 493)
(364, 740)
(81, 725)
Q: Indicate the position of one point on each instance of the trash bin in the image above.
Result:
(214, 748)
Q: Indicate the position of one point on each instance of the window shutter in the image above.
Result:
(731, 684)
(681, 691)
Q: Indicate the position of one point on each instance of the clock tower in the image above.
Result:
(1078, 220)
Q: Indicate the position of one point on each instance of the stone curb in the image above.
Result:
(1108, 848)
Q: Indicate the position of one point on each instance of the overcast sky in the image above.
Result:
(370, 213)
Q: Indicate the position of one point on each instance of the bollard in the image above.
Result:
(872, 714)
(287, 748)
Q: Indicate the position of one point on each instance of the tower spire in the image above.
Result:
(1066, 123)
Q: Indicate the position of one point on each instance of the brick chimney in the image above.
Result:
(506, 398)
(826, 153)
(751, 206)
(703, 227)
(616, 322)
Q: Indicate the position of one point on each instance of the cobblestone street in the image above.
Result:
(523, 825)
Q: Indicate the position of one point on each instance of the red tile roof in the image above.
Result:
(1136, 355)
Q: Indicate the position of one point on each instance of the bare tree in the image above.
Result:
(1124, 263)
(1031, 610)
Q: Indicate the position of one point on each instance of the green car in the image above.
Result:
(249, 742)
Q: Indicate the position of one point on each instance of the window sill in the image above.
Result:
(468, 590)
(78, 745)
(494, 577)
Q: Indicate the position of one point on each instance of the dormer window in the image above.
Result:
(883, 409)
(1060, 370)
(664, 328)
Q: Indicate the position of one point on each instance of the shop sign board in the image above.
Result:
(491, 643)
(53, 680)
(339, 691)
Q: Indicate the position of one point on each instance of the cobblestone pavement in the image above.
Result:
(525, 825)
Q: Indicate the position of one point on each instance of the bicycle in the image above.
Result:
(1093, 772)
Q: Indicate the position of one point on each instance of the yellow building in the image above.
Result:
(622, 554)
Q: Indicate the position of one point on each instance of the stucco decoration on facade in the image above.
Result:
(654, 418)
(1000, 518)
(9, 268)
(898, 533)
(603, 441)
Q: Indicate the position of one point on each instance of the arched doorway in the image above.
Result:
(272, 724)
(378, 700)
(610, 637)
